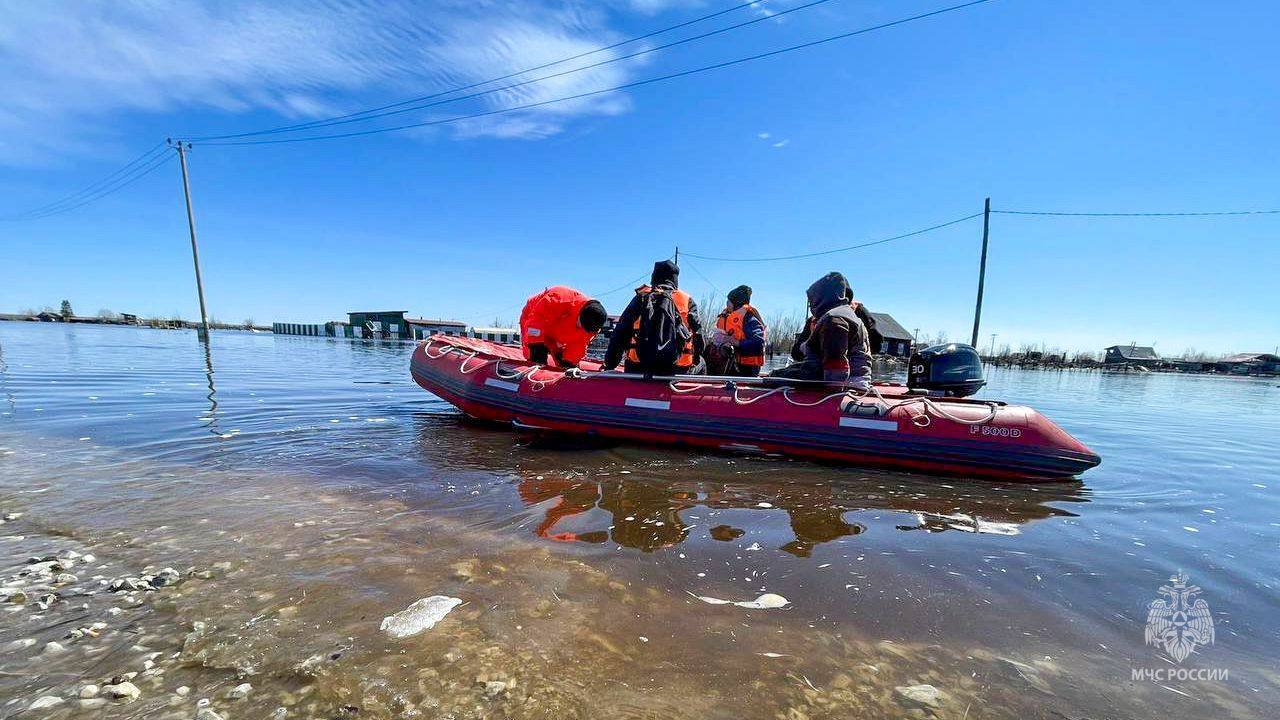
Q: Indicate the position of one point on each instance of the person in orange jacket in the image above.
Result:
(558, 324)
(740, 335)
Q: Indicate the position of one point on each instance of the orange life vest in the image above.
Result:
(732, 324)
(682, 301)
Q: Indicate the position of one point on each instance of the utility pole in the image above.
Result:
(677, 256)
(203, 331)
(982, 270)
(993, 344)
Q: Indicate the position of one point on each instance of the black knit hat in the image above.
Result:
(592, 316)
(740, 295)
(665, 272)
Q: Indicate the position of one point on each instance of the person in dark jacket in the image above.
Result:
(835, 345)
(665, 277)
(739, 338)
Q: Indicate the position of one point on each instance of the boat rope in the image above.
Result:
(462, 367)
(920, 416)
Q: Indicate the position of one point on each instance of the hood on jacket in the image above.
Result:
(665, 272)
(829, 291)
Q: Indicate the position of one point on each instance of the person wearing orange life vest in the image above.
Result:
(558, 324)
(628, 332)
(740, 335)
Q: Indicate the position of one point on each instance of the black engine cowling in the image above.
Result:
(954, 369)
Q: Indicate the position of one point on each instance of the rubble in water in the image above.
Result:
(419, 617)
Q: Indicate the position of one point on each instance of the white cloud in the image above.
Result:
(763, 135)
(782, 143)
(72, 73)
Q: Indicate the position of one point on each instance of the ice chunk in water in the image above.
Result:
(420, 616)
(767, 601)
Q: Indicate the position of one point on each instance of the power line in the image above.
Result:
(615, 88)
(705, 279)
(1139, 214)
(57, 205)
(882, 241)
(119, 184)
(327, 122)
(415, 108)
(624, 286)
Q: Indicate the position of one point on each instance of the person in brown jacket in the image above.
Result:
(835, 345)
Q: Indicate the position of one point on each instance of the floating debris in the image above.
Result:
(418, 617)
(767, 601)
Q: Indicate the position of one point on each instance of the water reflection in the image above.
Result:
(212, 396)
(648, 514)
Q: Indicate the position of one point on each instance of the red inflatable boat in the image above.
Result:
(888, 426)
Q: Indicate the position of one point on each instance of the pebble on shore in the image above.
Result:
(47, 701)
(123, 690)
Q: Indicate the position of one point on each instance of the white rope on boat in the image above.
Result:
(921, 418)
(462, 367)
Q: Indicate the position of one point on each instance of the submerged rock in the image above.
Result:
(123, 690)
(47, 701)
(418, 617)
(205, 713)
(920, 695)
(167, 576)
(240, 691)
(88, 691)
(494, 689)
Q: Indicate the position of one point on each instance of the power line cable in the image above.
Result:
(333, 120)
(88, 189)
(627, 285)
(705, 279)
(416, 107)
(1139, 214)
(882, 241)
(122, 182)
(615, 88)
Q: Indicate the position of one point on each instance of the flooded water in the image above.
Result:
(303, 489)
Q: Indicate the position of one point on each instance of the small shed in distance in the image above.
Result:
(379, 322)
(1250, 364)
(505, 336)
(888, 337)
(1132, 355)
(421, 328)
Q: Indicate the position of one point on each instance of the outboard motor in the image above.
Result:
(954, 369)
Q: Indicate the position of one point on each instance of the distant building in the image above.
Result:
(1132, 355)
(505, 336)
(421, 328)
(1185, 365)
(888, 337)
(1250, 364)
(310, 329)
(47, 316)
(379, 323)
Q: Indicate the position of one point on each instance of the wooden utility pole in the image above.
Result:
(982, 271)
(677, 256)
(203, 331)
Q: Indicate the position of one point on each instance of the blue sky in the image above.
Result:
(1079, 106)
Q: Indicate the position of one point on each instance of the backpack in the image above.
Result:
(662, 335)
